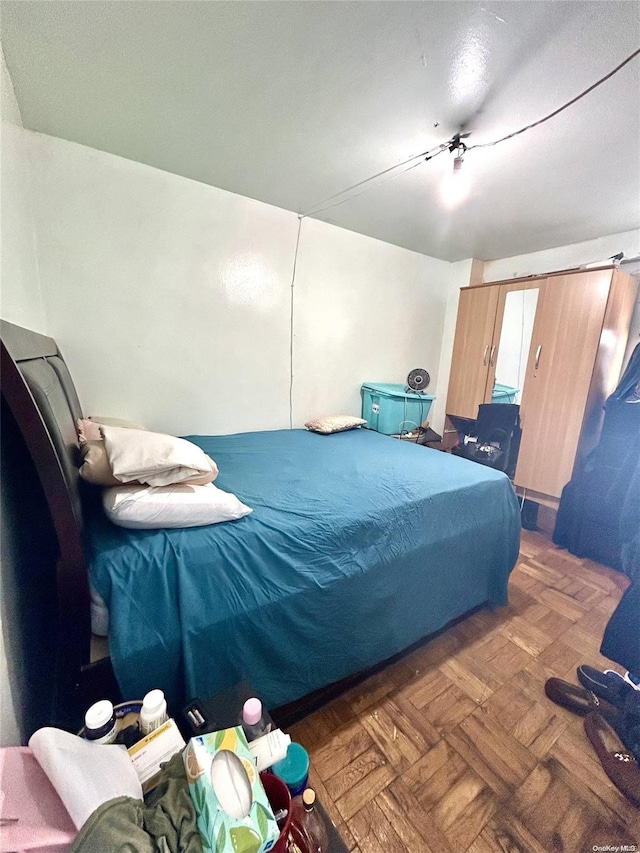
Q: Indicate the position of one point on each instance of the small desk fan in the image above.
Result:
(418, 380)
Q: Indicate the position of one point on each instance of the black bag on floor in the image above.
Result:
(497, 432)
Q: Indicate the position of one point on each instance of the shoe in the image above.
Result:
(619, 765)
(613, 688)
(633, 680)
(578, 700)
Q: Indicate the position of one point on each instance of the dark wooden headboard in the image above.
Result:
(39, 391)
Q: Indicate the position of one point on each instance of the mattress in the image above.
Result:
(358, 546)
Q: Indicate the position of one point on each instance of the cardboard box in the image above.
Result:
(232, 809)
(148, 754)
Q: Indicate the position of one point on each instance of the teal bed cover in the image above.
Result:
(358, 546)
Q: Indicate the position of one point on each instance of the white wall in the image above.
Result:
(364, 311)
(21, 302)
(460, 275)
(564, 257)
(20, 295)
(171, 299)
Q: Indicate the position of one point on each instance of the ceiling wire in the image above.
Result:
(375, 186)
(560, 109)
(291, 323)
(449, 146)
(432, 152)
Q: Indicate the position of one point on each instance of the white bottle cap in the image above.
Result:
(153, 702)
(98, 715)
(252, 711)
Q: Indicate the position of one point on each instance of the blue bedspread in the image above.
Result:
(358, 546)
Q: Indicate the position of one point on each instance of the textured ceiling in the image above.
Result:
(291, 102)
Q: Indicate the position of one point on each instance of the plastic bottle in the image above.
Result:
(153, 712)
(100, 724)
(253, 722)
(307, 826)
(293, 769)
(268, 749)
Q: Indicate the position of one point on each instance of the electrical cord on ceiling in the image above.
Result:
(428, 155)
(452, 144)
(560, 109)
(375, 186)
(293, 281)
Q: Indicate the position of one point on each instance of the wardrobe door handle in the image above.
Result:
(484, 357)
(491, 361)
(537, 361)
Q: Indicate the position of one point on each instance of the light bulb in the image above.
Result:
(456, 185)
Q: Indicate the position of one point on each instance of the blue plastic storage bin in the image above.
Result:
(503, 393)
(391, 409)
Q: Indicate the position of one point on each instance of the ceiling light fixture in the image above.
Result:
(456, 185)
(454, 144)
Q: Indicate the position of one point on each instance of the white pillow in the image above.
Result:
(150, 507)
(334, 423)
(96, 469)
(89, 428)
(138, 456)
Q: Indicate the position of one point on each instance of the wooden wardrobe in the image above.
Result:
(562, 337)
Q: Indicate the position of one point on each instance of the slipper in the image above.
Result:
(612, 688)
(577, 699)
(619, 765)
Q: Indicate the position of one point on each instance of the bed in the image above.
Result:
(358, 546)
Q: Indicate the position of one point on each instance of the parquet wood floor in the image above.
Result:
(456, 748)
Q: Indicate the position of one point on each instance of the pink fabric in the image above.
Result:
(43, 825)
(88, 430)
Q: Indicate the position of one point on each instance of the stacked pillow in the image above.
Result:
(153, 480)
(140, 456)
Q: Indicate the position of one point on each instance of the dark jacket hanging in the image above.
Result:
(589, 516)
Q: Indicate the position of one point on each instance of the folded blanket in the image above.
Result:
(151, 457)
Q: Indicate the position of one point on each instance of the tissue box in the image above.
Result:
(232, 809)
